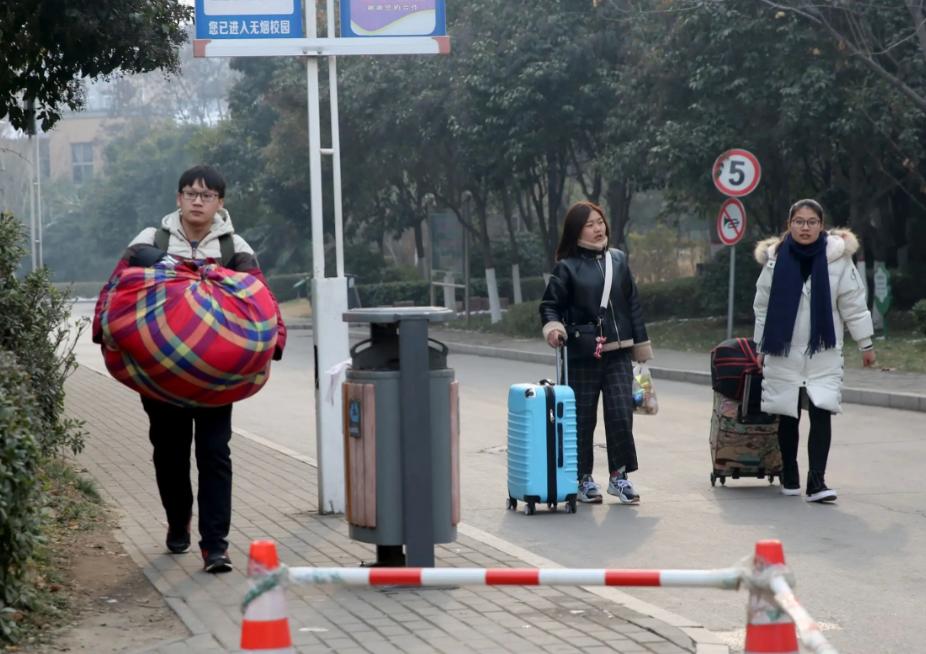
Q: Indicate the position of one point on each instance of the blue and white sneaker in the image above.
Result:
(589, 491)
(620, 486)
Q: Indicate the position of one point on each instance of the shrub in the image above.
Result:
(36, 330)
(714, 284)
(392, 293)
(521, 320)
(676, 298)
(906, 289)
(19, 455)
(284, 289)
(919, 314)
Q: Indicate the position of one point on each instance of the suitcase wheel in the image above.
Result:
(713, 479)
(552, 506)
(512, 504)
(571, 504)
(771, 479)
(530, 508)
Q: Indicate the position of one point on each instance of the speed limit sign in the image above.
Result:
(736, 173)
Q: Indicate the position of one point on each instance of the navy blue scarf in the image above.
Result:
(785, 298)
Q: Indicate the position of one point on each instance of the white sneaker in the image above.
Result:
(620, 486)
(589, 491)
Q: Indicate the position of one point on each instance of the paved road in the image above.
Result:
(858, 564)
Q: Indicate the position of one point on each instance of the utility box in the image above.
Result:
(401, 436)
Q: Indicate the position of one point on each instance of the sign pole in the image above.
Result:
(329, 303)
(730, 292)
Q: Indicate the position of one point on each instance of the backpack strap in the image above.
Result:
(227, 247)
(161, 238)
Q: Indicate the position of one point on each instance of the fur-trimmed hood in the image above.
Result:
(840, 242)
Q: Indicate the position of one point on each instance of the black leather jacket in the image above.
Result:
(573, 297)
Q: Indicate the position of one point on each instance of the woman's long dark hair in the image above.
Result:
(575, 220)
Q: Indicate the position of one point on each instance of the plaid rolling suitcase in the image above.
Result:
(742, 449)
(542, 454)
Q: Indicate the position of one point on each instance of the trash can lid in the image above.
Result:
(397, 314)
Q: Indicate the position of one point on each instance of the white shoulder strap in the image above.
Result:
(608, 276)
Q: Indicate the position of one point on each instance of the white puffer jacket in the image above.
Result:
(820, 374)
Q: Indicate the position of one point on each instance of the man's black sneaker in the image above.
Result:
(215, 562)
(178, 540)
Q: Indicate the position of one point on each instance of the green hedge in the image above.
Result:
(36, 356)
(283, 286)
(392, 293)
(19, 504)
(676, 298)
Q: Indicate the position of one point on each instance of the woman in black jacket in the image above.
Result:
(602, 342)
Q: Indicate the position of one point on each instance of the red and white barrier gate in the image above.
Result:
(772, 611)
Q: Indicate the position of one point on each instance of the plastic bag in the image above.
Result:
(644, 394)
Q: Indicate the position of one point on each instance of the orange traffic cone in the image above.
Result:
(769, 629)
(265, 626)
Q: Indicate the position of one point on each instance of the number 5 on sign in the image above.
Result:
(736, 173)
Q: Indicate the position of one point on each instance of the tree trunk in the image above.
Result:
(619, 196)
(513, 243)
(495, 309)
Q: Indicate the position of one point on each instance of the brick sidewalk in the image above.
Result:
(275, 496)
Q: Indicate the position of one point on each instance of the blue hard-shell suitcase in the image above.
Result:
(542, 455)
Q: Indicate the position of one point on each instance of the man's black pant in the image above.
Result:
(171, 433)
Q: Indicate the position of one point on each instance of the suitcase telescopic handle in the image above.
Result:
(562, 365)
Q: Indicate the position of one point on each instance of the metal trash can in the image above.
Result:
(401, 436)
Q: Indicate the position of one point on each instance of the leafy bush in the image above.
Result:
(676, 298)
(283, 286)
(19, 455)
(521, 320)
(906, 289)
(919, 314)
(36, 330)
(714, 284)
(391, 293)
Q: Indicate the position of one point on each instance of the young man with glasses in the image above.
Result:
(200, 228)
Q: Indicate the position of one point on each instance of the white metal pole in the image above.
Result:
(32, 229)
(37, 168)
(315, 165)
(336, 149)
(730, 292)
(329, 302)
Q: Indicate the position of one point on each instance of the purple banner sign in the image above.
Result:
(394, 18)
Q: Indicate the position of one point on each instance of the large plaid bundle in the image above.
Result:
(190, 335)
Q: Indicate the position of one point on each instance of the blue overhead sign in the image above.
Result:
(248, 19)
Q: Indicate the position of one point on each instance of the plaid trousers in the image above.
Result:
(612, 376)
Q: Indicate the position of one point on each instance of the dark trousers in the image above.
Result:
(612, 377)
(818, 444)
(171, 433)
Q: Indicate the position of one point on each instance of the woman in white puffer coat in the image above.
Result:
(809, 291)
